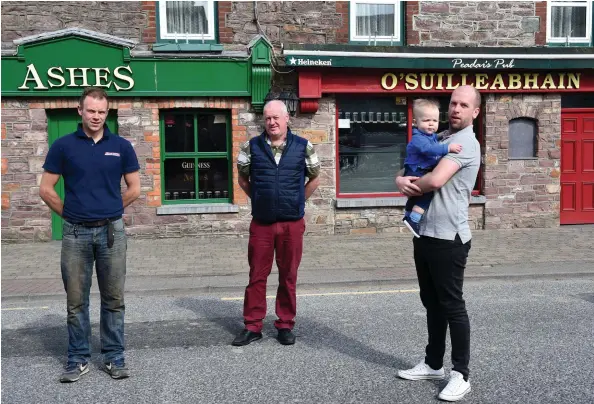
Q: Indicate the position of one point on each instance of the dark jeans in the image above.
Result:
(286, 239)
(422, 201)
(440, 270)
(81, 248)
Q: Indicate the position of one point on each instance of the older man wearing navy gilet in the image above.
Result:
(272, 170)
(92, 162)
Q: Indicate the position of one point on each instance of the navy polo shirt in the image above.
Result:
(92, 173)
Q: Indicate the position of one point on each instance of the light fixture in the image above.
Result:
(288, 97)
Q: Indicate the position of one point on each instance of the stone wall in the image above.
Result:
(474, 23)
(388, 220)
(522, 193)
(126, 19)
(294, 22)
(25, 145)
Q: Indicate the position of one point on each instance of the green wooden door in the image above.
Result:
(61, 122)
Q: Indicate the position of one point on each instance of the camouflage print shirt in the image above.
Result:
(311, 158)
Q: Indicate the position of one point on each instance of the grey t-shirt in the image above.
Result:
(448, 212)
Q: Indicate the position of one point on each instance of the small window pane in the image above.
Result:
(187, 17)
(179, 133)
(179, 179)
(522, 138)
(371, 144)
(375, 19)
(213, 178)
(568, 21)
(212, 133)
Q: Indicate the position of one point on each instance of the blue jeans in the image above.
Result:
(81, 248)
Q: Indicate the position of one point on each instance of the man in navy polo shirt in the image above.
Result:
(92, 161)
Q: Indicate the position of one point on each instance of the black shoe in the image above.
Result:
(117, 369)
(74, 371)
(412, 226)
(245, 337)
(286, 336)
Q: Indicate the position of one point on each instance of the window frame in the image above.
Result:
(196, 155)
(573, 41)
(397, 40)
(165, 37)
(534, 155)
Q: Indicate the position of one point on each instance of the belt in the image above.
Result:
(99, 223)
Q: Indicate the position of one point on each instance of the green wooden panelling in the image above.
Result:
(61, 122)
(171, 75)
(261, 78)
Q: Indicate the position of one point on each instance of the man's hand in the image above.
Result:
(407, 187)
(454, 148)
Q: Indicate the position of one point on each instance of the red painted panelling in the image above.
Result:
(577, 166)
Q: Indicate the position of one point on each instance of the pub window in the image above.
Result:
(372, 136)
(183, 21)
(523, 136)
(195, 157)
(371, 143)
(373, 21)
(569, 22)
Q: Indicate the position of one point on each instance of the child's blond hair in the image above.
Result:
(420, 104)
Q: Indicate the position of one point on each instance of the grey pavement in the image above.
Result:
(531, 343)
(210, 265)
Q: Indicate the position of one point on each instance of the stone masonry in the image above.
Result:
(475, 23)
(522, 193)
(126, 19)
(25, 145)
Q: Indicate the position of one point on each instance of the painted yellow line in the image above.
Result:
(25, 308)
(370, 292)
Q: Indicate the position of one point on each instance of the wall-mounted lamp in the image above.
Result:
(288, 97)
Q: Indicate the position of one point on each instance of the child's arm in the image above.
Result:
(425, 146)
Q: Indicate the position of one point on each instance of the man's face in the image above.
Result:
(276, 120)
(93, 113)
(463, 108)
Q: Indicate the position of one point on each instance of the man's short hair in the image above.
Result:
(283, 106)
(421, 104)
(93, 92)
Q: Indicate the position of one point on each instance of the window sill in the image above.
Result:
(570, 45)
(523, 158)
(399, 201)
(187, 47)
(191, 209)
(375, 43)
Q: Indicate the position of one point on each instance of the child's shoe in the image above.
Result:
(412, 226)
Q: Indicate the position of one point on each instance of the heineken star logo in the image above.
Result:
(293, 61)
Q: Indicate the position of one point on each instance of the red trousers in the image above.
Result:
(286, 239)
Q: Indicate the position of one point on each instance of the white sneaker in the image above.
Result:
(456, 389)
(422, 372)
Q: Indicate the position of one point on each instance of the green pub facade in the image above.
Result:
(181, 113)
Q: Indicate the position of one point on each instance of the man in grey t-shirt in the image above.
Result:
(441, 251)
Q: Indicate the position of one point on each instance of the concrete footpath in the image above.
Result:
(216, 265)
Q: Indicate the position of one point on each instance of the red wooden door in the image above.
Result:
(577, 166)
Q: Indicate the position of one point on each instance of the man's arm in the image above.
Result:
(244, 183)
(133, 191)
(441, 174)
(48, 193)
(311, 186)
